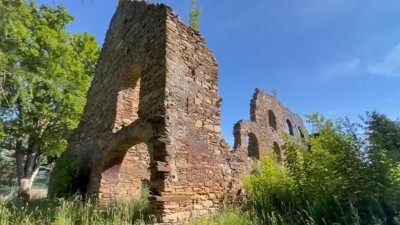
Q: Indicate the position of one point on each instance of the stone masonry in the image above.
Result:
(152, 119)
(268, 120)
(262, 134)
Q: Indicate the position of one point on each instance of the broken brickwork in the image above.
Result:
(152, 119)
(269, 119)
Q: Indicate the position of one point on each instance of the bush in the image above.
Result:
(271, 189)
(334, 178)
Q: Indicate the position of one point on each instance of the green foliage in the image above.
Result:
(272, 185)
(339, 178)
(194, 15)
(63, 175)
(50, 72)
(43, 212)
(383, 134)
(7, 163)
(225, 217)
(45, 74)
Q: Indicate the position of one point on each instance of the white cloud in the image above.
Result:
(386, 66)
(348, 68)
(389, 66)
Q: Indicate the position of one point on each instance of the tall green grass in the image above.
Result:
(75, 212)
(67, 212)
(225, 217)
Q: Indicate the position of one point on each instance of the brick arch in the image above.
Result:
(125, 169)
(289, 127)
(127, 158)
(127, 104)
(241, 131)
(253, 150)
(106, 167)
(272, 120)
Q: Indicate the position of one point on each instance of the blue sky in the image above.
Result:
(336, 57)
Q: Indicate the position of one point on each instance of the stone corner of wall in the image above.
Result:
(194, 35)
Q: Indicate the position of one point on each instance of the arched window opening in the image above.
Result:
(301, 132)
(126, 167)
(278, 151)
(289, 127)
(128, 98)
(272, 120)
(252, 146)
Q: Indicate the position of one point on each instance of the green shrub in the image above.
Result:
(271, 186)
(334, 178)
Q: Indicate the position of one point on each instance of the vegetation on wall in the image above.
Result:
(194, 15)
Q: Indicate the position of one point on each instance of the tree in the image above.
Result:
(194, 15)
(7, 161)
(45, 74)
(383, 134)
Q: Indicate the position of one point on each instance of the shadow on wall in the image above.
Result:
(252, 146)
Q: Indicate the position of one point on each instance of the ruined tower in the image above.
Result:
(152, 119)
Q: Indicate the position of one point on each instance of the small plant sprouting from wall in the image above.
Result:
(274, 93)
(194, 15)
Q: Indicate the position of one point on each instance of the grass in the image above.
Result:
(76, 212)
(225, 217)
(67, 212)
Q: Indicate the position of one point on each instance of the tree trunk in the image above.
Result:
(25, 184)
(27, 168)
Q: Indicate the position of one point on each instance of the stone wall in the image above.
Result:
(152, 119)
(262, 134)
(269, 119)
(125, 181)
(199, 173)
(125, 107)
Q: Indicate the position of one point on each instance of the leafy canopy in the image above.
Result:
(45, 73)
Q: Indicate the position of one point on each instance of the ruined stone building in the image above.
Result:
(152, 119)
(268, 120)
